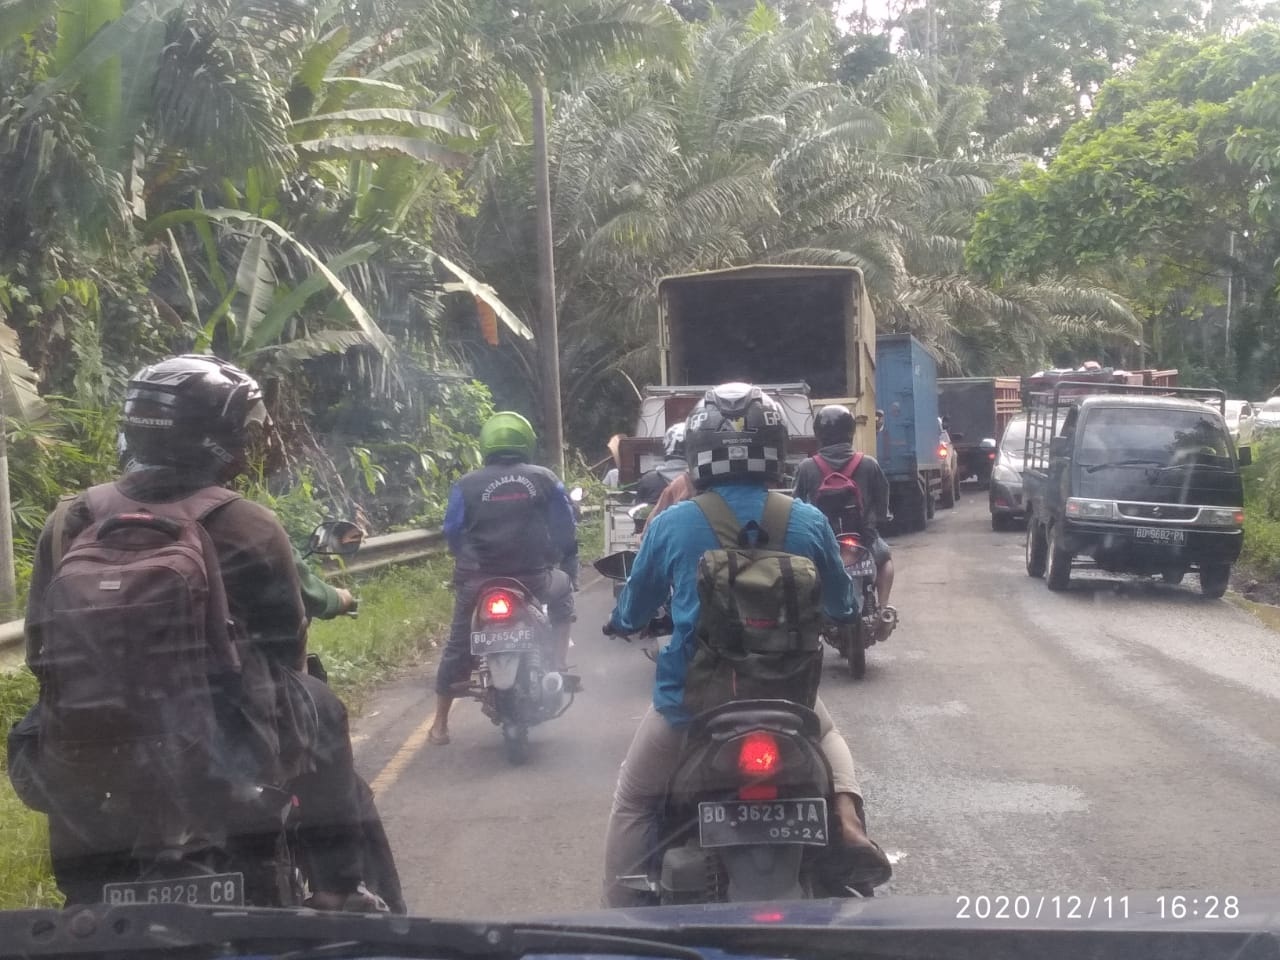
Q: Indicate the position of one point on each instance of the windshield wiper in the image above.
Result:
(161, 930)
(1094, 467)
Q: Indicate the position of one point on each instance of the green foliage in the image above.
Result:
(26, 879)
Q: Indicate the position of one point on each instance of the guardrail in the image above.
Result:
(375, 552)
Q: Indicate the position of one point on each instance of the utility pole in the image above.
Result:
(8, 581)
(548, 328)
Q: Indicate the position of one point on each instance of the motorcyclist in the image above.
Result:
(667, 565)
(650, 486)
(834, 426)
(188, 424)
(512, 519)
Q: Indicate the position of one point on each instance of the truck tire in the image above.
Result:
(1037, 549)
(1058, 568)
(947, 499)
(1214, 579)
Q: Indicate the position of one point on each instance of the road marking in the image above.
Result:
(395, 766)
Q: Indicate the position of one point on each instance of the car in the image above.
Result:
(1239, 415)
(1004, 496)
(950, 468)
(1267, 418)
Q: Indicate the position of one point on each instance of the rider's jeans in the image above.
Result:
(552, 587)
(642, 784)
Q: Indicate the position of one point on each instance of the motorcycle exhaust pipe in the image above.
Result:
(888, 622)
(552, 684)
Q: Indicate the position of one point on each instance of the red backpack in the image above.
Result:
(838, 496)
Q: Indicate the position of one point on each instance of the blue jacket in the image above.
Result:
(674, 542)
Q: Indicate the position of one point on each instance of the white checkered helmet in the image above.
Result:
(736, 434)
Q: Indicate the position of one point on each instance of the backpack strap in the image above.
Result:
(58, 531)
(823, 465)
(853, 464)
(776, 518)
(108, 498)
(720, 517)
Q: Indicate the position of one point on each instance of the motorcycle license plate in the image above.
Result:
(501, 641)
(1161, 534)
(737, 823)
(207, 890)
(863, 568)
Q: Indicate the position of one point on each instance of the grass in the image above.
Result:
(403, 611)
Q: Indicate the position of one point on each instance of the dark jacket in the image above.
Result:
(871, 481)
(649, 487)
(509, 518)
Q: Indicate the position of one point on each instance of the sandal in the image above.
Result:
(437, 739)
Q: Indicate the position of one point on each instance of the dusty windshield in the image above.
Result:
(395, 392)
(1157, 437)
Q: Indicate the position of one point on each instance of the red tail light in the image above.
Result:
(942, 451)
(758, 755)
(499, 605)
(991, 456)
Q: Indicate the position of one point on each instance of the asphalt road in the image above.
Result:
(1122, 736)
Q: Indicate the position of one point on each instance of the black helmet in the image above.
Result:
(736, 434)
(673, 441)
(193, 412)
(833, 424)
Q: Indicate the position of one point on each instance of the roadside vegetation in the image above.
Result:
(1261, 558)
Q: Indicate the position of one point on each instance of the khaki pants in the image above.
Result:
(642, 784)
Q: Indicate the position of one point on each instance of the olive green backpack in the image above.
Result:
(758, 635)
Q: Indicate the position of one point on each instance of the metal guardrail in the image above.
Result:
(375, 553)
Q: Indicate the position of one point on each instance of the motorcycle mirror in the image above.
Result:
(339, 538)
(576, 494)
(640, 511)
(988, 444)
(616, 566)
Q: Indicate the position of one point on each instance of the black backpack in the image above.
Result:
(135, 635)
(760, 613)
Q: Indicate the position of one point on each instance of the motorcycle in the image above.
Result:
(514, 679)
(874, 623)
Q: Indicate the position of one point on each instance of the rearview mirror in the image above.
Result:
(339, 538)
(1060, 447)
(988, 444)
(616, 566)
(1244, 456)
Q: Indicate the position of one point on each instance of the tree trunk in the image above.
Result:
(8, 581)
(548, 328)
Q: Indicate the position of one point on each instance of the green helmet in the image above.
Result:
(507, 433)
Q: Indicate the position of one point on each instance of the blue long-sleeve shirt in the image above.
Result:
(667, 565)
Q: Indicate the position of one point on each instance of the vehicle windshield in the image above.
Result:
(315, 314)
(1159, 437)
(1015, 436)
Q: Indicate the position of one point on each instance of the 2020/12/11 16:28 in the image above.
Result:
(1102, 907)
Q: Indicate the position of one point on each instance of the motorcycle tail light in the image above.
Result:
(499, 605)
(849, 544)
(758, 755)
(942, 452)
(991, 456)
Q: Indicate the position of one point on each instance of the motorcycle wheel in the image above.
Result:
(516, 741)
(857, 647)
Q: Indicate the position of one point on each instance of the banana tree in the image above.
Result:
(19, 401)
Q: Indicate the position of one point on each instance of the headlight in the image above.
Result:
(1222, 516)
(1006, 474)
(1090, 509)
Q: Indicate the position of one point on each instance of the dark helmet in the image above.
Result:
(193, 412)
(833, 424)
(673, 442)
(736, 434)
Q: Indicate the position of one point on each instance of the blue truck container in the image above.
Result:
(907, 392)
